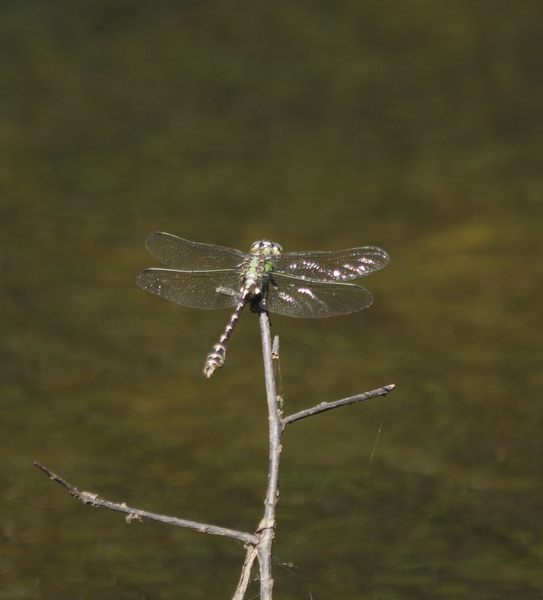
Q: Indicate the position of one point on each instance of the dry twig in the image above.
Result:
(259, 544)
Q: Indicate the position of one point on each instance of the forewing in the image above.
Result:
(342, 265)
(314, 299)
(178, 253)
(196, 289)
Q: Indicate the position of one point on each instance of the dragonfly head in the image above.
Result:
(269, 249)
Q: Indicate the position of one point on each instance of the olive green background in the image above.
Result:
(413, 126)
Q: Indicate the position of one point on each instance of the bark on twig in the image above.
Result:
(267, 525)
(324, 406)
(245, 576)
(135, 513)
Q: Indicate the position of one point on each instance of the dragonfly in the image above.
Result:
(295, 284)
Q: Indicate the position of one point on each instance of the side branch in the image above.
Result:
(324, 406)
(244, 580)
(134, 513)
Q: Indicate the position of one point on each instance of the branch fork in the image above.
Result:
(259, 544)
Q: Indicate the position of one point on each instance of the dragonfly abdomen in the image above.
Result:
(253, 274)
(217, 357)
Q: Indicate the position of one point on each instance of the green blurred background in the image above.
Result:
(413, 126)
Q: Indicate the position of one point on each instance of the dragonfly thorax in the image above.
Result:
(257, 266)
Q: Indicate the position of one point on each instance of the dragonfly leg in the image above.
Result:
(224, 291)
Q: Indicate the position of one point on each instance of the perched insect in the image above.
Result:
(295, 284)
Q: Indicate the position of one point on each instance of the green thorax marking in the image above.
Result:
(258, 264)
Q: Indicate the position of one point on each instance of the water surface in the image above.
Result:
(414, 128)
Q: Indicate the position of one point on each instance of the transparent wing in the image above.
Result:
(196, 289)
(342, 265)
(314, 299)
(178, 253)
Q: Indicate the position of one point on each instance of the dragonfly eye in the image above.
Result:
(277, 250)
